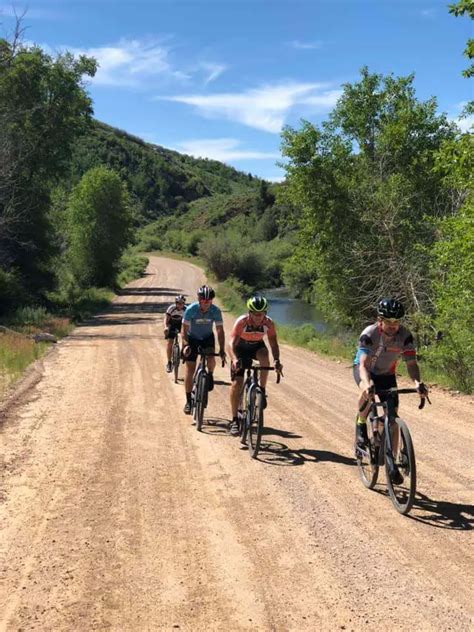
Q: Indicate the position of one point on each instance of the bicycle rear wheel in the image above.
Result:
(176, 357)
(201, 400)
(403, 495)
(255, 421)
(367, 461)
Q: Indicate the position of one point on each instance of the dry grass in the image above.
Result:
(16, 353)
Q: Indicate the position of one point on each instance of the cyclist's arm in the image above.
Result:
(234, 341)
(273, 342)
(365, 381)
(221, 338)
(414, 371)
(184, 333)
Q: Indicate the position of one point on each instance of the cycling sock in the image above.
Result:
(360, 421)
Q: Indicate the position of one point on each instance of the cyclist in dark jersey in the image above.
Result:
(173, 319)
(380, 347)
(246, 344)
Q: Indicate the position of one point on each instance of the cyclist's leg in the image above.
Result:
(190, 367)
(261, 354)
(361, 416)
(209, 344)
(237, 378)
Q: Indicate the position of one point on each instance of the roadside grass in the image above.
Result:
(66, 307)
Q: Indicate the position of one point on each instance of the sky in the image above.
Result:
(220, 78)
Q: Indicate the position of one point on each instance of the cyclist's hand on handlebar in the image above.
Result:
(165, 331)
(278, 367)
(223, 355)
(423, 391)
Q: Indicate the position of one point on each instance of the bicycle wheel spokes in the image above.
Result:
(242, 416)
(367, 461)
(403, 495)
(255, 421)
(201, 400)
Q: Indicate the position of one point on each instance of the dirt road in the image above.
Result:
(116, 514)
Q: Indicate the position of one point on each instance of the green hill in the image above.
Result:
(160, 181)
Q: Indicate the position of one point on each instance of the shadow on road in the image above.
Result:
(150, 291)
(276, 453)
(442, 514)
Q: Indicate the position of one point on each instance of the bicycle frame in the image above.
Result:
(200, 388)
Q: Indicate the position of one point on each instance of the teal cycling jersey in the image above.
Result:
(200, 323)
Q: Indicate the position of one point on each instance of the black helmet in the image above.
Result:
(206, 292)
(257, 304)
(390, 308)
(180, 299)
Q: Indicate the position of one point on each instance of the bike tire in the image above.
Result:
(255, 421)
(242, 415)
(402, 496)
(201, 400)
(367, 461)
(176, 358)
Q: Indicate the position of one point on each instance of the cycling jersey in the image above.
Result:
(251, 333)
(175, 314)
(200, 323)
(384, 351)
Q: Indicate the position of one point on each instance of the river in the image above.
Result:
(286, 310)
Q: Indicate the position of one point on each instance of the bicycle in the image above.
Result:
(251, 406)
(200, 389)
(176, 357)
(379, 450)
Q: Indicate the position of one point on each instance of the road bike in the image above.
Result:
(200, 389)
(176, 357)
(379, 451)
(251, 406)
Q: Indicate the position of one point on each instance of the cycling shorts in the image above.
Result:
(381, 382)
(207, 344)
(173, 329)
(246, 352)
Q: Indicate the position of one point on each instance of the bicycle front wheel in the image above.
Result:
(403, 494)
(367, 460)
(201, 400)
(255, 421)
(176, 357)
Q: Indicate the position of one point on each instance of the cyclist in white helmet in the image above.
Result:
(173, 319)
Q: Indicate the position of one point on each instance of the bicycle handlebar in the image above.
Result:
(392, 391)
(267, 368)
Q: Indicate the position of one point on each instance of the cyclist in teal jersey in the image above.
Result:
(198, 321)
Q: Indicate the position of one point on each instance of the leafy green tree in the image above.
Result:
(366, 191)
(461, 8)
(99, 227)
(43, 109)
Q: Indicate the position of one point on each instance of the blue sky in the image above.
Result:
(219, 78)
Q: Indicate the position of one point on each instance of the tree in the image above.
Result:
(367, 193)
(43, 108)
(461, 8)
(99, 225)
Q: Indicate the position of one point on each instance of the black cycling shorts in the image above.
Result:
(381, 382)
(173, 329)
(207, 344)
(246, 352)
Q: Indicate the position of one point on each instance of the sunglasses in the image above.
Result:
(391, 321)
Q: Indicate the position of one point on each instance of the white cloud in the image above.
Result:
(276, 179)
(306, 45)
(428, 13)
(264, 108)
(465, 123)
(131, 62)
(213, 71)
(222, 149)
